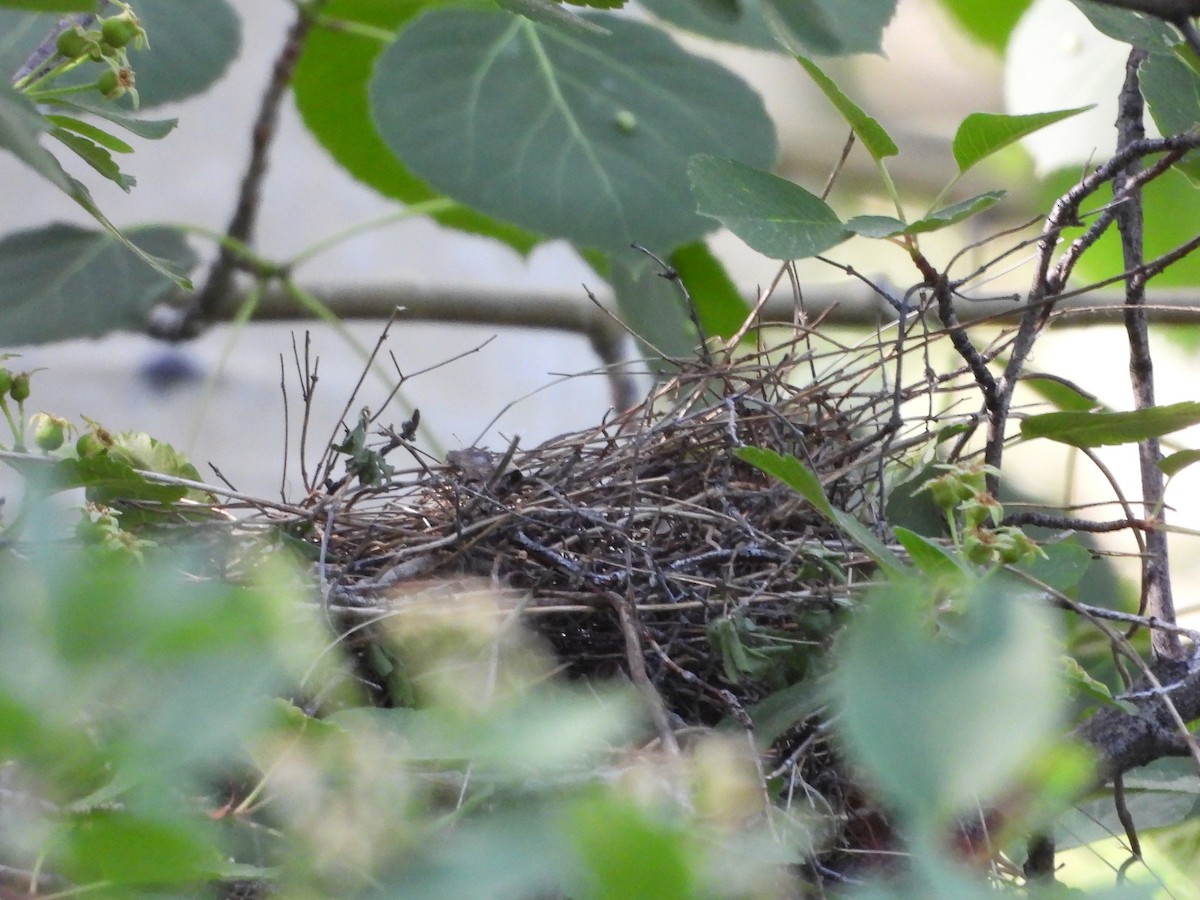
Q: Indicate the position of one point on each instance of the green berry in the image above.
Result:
(74, 43)
(19, 390)
(93, 443)
(6, 380)
(120, 30)
(112, 83)
(49, 431)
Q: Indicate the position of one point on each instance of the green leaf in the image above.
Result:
(549, 12)
(627, 852)
(774, 216)
(988, 23)
(874, 226)
(869, 132)
(1061, 393)
(1178, 461)
(945, 719)
(982, 134)
(1172, 92)
(121, 848)
(1141, 30)
(930, 557)
(1100, 429)
(719, 304)
(801, 479)
(585, 137)
(887, 226)
(1063, 567)
(954, 213)
(191, 46)
(87, 130)
(331, 90)
(742, 22)
(20, 127)
(652, 309)
(63, 281)
(1079, 680)
(830, 27)
(95, 156)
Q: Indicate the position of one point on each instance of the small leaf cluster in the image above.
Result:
(973, 516)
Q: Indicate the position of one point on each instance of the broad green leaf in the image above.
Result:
(1172, 92)
(652, 309)
(585, 137)
(549, 12)
(1100, 429)
(1165, 792)
(719, 304)
(87, 130)
(945, 719)
(774, 216)
(988, 23)
(1175, 463)
(734, 21)
(1061, 393)
(931, 558)
(1063, 567)
(1172, 218)
(869, 132)
(95, 156)
(20, 128)
(117, 847)
(801, 479)
(191, 45)
(63, 281)
(830, 27)
(330, 86)
(628, 852)
(1143, 31)
(107, 480)
(982, 134)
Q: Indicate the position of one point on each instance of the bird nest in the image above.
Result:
(646, 547)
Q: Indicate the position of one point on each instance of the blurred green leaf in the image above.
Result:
(151, 129)
(20, 127)
(1172, 92)
(830, 27)
(90, 131)
(1099, 429)
(331, 90)
(719, 304)
(63, 281)
(652, 309)
(585, 137)
(991, 23)
(1144, 31)
(774, 216)
(121, 848)
(734, 21)
(943, 720)
(627, 853)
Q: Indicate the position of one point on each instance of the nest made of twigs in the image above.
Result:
(645, 545)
